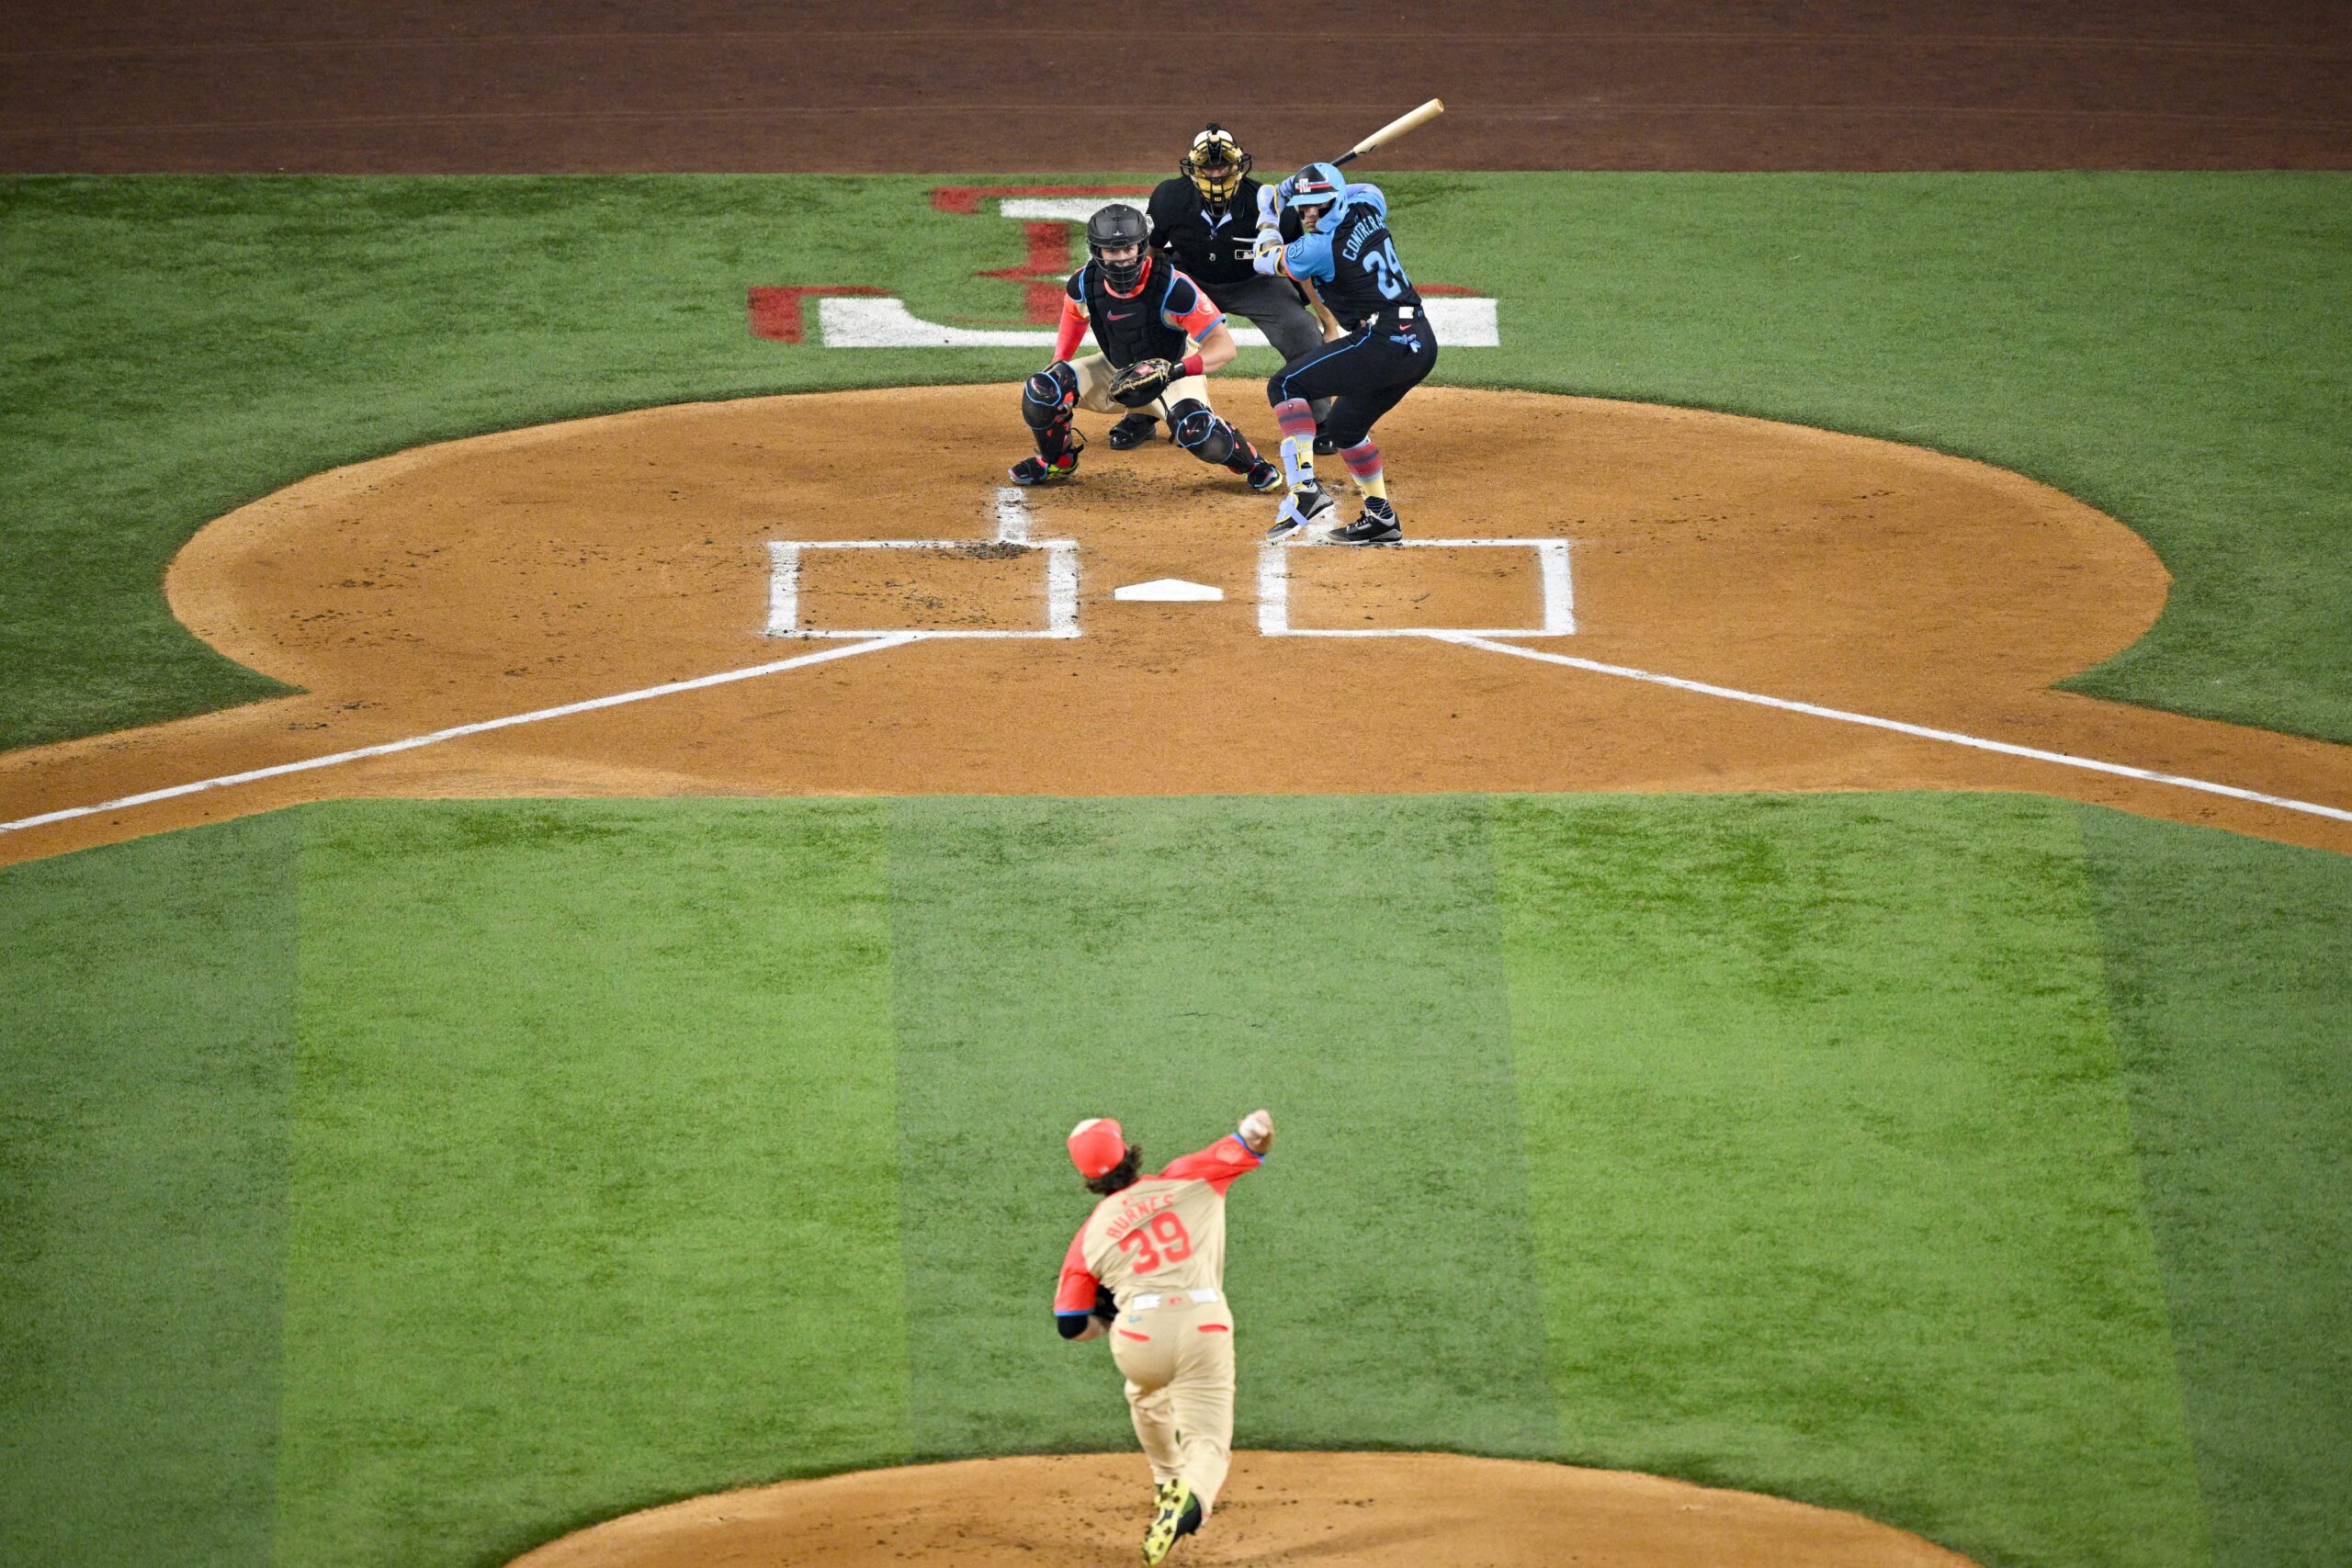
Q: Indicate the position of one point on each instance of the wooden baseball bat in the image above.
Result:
(1396, 128)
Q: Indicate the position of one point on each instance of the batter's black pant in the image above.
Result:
(1366, 374)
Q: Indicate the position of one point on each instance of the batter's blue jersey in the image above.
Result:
(1352, 259)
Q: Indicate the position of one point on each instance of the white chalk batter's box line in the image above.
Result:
(784, 587)
(1552, 571)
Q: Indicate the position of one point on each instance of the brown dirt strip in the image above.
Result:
(413, 86)
(519, 571)
(1369, 1510)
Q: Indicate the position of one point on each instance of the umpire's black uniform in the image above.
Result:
(1212, 244)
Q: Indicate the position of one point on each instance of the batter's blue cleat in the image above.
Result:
(1178, 1516)
(1301, 508)
(1378, 525)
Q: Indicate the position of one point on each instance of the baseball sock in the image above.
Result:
(1297, 421)
(1363, 462)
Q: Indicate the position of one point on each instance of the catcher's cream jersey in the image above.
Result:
(1166, 1232)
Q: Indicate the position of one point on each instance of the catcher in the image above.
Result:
(1148, 1267)
(1160, 337)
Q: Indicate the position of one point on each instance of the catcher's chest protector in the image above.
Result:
(1129, 330)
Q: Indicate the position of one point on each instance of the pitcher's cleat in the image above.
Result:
(1265, 477)
(1178, 1516)
(1301, 508)
(1132, 432)
(1378, 525)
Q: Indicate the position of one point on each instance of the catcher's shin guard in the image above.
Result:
(1200, 433)
(1047, 400)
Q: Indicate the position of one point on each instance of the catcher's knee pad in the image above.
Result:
(1200, 433)
(1047, 398)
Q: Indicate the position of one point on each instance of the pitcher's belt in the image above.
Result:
(1171, 1298)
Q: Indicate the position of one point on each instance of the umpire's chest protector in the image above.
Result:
(1133, 329)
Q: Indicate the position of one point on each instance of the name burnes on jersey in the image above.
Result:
(1130, 1218)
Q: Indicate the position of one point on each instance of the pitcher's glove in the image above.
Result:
(1106, 1306)
(1141, 383)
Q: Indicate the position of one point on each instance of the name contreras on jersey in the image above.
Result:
(1362, 228)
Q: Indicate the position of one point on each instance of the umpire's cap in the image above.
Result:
(1097, 1144)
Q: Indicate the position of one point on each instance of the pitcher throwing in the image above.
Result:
(1148, 1268)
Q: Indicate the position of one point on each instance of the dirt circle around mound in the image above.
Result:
(457, 586)
(1372, 1509)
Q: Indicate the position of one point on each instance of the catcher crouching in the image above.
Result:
(1159, 336)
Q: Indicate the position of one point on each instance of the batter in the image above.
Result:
(1147, 1267)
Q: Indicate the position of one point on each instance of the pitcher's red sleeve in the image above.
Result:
(1075, 1295)
(1220, 1165)
(1073, 329)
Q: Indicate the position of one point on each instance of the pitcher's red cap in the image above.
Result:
(1096, 1144)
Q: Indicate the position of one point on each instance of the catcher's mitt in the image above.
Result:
(1142, 382)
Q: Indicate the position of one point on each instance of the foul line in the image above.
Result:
(668, 688)
(1922, 731)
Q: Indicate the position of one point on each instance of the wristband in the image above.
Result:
(1192, 365)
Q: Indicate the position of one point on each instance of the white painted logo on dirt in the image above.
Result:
(1169, 591)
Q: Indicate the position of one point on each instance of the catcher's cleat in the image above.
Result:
(1300, 508)
(1378, 525)
(1265, 477)
(1037, 471)
(1177, 1516)
(1132, 432)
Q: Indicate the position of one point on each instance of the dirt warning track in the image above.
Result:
(521, 572)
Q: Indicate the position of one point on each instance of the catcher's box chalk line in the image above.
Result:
(2034, 753)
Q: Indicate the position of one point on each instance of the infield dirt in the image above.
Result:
(1372, 1510)
(519, 571)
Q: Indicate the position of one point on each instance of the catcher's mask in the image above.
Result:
(1215, 148)
(1316, 185)
(1119, 224)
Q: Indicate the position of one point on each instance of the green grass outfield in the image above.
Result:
(394, 1183)
(2175, 349)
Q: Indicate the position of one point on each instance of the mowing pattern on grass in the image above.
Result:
(592, 1153)
(2175, 349)
(2230, 966)
(146, 1055)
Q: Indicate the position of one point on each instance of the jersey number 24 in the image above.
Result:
(1175, 1244)
(1388, 272)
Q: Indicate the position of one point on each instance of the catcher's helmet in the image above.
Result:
(1215, 148)
(1316, 185)
(1119, 224)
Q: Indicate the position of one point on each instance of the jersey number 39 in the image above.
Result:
(1175, 1244)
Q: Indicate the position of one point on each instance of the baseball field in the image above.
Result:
(545, 968)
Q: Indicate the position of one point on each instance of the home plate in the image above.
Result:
(1168, 591)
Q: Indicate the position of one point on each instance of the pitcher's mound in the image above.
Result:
(1279, 1507)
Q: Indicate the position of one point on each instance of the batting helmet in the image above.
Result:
(1215, 148)
(1119, 224)
(1316, 187)
(1097, 1144)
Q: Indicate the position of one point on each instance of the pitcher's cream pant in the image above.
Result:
(1094, 374)
(1178, 1362)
